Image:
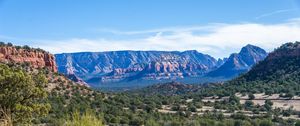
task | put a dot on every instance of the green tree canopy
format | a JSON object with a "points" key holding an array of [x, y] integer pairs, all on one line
{"points": [[21, 95]]}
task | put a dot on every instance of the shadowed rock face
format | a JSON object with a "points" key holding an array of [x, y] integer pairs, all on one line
{"points": [[131, 65], [240, 62], [37, 59]]}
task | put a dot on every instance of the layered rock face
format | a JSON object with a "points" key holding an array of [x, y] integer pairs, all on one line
{"points": [[98, 68], [132, 65], [37, 59]]}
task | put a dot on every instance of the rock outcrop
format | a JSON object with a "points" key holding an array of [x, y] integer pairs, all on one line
{"points": [[35, 58]]}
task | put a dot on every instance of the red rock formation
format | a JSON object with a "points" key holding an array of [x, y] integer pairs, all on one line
{"points": [[35, 58]]}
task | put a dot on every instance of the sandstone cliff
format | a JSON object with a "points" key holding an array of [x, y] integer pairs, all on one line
{"points": [[36, 58]]}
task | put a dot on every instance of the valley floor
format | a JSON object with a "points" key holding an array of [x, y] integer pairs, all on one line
{"points": [[260, 99]]}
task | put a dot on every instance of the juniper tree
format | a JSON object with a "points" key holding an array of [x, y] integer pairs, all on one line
{"points": [[21, 95]]}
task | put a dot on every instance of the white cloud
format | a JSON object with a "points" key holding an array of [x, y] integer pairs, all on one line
{"points": [[218, 40]]}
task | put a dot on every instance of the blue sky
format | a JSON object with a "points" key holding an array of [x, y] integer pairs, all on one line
{"points": [[214, 27]]}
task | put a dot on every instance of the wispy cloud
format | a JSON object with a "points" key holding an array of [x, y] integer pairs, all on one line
{"points": [[220, 41], [169, 29], [274, 13]]}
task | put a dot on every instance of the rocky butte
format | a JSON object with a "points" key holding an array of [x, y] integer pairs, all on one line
{"points": [[35, 57]]}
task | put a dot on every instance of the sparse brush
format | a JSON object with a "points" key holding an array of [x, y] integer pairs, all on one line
{"points": [[86, 119]]}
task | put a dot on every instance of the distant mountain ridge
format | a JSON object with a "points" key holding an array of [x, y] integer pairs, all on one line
{"points": [[240, 62], [97, 68], [115, 66]]}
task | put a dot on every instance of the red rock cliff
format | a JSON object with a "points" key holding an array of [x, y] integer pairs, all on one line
{"points": [[37, 59]]}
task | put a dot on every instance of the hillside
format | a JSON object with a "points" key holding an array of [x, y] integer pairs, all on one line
{"points": [[277, 73], [282, 64], [167, 89], [29, 65]]}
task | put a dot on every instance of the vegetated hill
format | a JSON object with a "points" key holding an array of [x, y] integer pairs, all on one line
{"points": [[279, 73], [167, 89], [35, 58], [126, 66], [240, 62], [281, 65], [33, 61], [64, 95]]}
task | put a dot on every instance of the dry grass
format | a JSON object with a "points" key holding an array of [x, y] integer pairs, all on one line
{"points": [[87, 119], [278, 102], [5, 117]]}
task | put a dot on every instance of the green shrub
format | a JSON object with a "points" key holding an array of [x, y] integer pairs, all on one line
{"points": [[86, 119]]}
